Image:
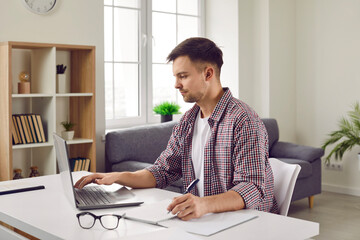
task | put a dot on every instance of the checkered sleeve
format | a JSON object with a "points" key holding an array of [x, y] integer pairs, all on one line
{"points": [[250, 153], [167, 167]]}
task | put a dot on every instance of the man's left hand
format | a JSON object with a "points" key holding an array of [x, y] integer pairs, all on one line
{"points": [[188, 207]]}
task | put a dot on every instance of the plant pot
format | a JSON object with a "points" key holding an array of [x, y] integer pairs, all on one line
{"points": [[67, 135], [166, 118]]}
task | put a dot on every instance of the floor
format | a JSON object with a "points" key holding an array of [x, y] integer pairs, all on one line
{"points": [[338, 215]]}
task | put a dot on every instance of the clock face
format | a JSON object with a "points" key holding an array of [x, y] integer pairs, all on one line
{"points": [[40, 6]]}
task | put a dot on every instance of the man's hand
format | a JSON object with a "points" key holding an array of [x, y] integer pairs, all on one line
{"points": [[188, 207], [139, 179], [98, 178]]}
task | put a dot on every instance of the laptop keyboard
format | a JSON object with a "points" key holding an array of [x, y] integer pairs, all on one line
{"points": [[94, 195]]}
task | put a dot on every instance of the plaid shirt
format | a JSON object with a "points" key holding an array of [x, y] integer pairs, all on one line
{"points": [[235, 157]]}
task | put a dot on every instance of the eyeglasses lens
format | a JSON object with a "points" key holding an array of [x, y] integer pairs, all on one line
{"points": [[86, 221], [109, 221]]}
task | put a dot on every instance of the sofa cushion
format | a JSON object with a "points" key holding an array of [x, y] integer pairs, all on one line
{"points": [[144, 143], [132, 166], [306, 168], [272, 129], [291, 150]]}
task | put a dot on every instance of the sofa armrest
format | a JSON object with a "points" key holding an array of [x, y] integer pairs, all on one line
{"points": [[291, 150], [141, 143]]}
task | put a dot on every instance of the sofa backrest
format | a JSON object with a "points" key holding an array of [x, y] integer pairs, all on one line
{"points": [[141, 143], [145, 143], [272, 129]]}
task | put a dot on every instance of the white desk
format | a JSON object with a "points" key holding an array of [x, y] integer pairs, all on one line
{"points": [[48, 214]]}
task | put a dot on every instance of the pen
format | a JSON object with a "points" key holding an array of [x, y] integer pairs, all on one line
{"points": [[22, 190], [191, 186]]}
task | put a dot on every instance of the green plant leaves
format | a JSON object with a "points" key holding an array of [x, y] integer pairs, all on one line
{"points": [[167, 108], [67, 125], [347, 136]]}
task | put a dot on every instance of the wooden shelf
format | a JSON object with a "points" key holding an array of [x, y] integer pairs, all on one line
{"points": [[32, 145], [78, 141], [31, 95], [78, 106], [74, 94]]}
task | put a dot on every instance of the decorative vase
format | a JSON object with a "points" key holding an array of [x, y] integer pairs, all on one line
{"points": [[166, 118], [24, 87], [67, 135], [61, 83]]}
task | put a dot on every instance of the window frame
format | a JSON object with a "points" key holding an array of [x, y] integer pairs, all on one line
{"points": [[145, 74]]}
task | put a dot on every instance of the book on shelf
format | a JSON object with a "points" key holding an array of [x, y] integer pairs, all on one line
{"points": [[79, 164], [14, 134], [16, 129], [19, 125], [37, 130], [27, 128], [38, 117], [32, 129]]}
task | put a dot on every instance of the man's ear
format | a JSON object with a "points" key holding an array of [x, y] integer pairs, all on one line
{"points": [[209, 73]]}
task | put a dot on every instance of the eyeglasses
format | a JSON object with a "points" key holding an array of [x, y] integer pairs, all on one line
{"points": [[108, 221]]}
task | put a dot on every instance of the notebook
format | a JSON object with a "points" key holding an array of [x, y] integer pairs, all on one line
{"points": [[207, 225], [98, 197], [211, 223]]}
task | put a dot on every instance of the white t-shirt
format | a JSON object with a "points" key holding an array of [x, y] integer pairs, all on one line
{"points": [[201, 135]]}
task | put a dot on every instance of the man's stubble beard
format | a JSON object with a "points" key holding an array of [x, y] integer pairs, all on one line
{"points": [[192, 98]]}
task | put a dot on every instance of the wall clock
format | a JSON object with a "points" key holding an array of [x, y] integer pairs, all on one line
{"points": [[40, 6]]}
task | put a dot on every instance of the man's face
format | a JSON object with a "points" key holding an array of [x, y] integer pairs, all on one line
{"points": [[189, 80]]}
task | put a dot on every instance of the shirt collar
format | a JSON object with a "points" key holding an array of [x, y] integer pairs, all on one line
{"points": [[221, 105], [219, 108]]}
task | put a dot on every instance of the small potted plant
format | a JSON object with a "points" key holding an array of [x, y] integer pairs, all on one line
{"points": [[68, 134], [347, 136], [166, 110]]}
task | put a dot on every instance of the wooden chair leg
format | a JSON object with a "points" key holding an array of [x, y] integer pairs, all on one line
{"points": [[311, 201]]}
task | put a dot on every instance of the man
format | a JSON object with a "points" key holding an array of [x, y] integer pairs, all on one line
{"points": [[220, 140]]}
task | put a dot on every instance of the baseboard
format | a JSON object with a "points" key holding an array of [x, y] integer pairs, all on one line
{"points": [[340, 189]]}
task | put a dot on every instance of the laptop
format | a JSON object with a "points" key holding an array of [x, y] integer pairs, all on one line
{"points": [[91, 196]]}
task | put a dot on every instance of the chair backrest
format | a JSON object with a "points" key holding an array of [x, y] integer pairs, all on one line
{"points": [[285, 176]]}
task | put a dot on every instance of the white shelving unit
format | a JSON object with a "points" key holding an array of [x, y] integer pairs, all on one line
{"points": [[78, 105]]}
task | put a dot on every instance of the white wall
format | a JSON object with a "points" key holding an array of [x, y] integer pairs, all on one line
{"points": [[72, 22], [261, 57], [327, 78], [246, 51], [222, 28], [267, 60], [311, 51], [282, 84]]}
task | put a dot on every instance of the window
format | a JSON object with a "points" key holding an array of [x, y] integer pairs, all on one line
{"points": [[138, 36]]}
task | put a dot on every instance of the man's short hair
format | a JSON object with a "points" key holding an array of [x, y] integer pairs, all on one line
{"points": [[200, 50]]}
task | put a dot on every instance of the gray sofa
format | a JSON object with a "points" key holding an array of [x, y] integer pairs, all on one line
{"points": [[135, 148]]}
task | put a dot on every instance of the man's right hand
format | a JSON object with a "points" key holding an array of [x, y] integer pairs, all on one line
{"points": [[98, 178], [139, 179]]}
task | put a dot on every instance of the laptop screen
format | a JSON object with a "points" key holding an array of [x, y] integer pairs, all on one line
{"points": [[64, 168]]}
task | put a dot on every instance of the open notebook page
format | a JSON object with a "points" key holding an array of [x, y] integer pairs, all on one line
{"points": [[211, 223]]}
